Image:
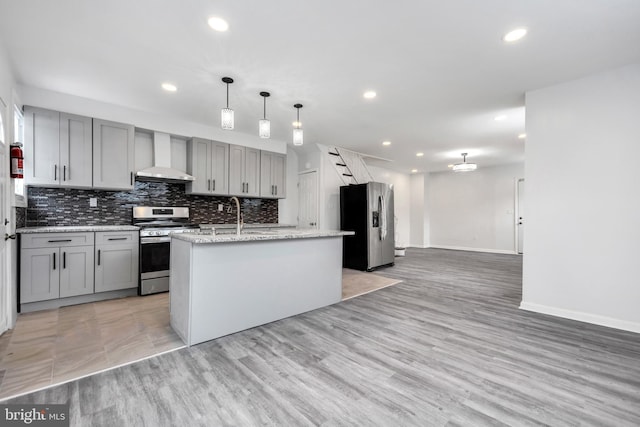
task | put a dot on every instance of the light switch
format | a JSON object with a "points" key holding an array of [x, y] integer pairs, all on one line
{"points": [[220, 207], [93, 202]]}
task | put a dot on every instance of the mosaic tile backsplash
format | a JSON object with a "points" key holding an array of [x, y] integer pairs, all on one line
{"points": [[62, 206]]}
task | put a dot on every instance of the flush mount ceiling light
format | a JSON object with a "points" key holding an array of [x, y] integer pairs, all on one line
{"points": [[264, 125], [218, 24], [386, 142], [464, 166], [515, 35], [297, 131], [169, 87], [226, 116], [419, 154], [414, 170], [370, 94]]}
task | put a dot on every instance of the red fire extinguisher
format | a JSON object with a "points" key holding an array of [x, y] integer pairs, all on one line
{"points": [[17, 160]]}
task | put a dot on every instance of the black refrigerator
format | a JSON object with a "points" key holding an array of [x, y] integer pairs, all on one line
{"points": [[367, 209]]}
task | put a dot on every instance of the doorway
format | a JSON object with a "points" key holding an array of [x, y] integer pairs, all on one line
{"points": [[5, 306], [520, 216], [308, 199]]}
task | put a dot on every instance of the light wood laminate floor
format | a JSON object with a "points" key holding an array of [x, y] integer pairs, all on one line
{"points": [[447, 347]]}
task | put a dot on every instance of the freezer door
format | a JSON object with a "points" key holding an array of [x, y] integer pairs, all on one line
{"points": [[373, 218]]}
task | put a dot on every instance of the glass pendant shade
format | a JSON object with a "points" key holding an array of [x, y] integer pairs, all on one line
{"points": [[227, 119], [297, 137], [264, 128]]}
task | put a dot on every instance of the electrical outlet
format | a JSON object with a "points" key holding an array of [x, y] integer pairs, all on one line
{"points": [[220, 207], [93, 202]]}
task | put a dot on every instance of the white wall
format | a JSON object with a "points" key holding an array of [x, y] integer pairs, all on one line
{"points": [[419, 211], [474, 210], [401, 201], [583, 203], [143, 119]]}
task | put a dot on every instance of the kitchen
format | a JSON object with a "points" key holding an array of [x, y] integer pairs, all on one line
{"points": [[465, 92]]}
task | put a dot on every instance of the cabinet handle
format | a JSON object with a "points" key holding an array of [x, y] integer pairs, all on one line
{"points": [[55, 172], [247, 187], [54, 260], [117, 238], [64, 173], [131, 178], [276, 192], [64, 260], [208, 185], [59, 241], [98, 256], [214, 185]]}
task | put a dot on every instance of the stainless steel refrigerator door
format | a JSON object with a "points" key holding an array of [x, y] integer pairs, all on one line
{"points": [[387, 243], [373, 218]]}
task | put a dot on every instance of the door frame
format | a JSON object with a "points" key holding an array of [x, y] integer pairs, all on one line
{"points": [[317, 172], [516, 216]]}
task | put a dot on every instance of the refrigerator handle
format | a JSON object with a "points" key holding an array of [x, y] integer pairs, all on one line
{"points": [[383, 218]]}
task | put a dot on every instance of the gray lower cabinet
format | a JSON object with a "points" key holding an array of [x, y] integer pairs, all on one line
{"points": [[113, 155], [55, 265], [116, 260]]}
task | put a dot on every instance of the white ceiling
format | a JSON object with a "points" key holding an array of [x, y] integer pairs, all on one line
{"points": [[440, 68]]}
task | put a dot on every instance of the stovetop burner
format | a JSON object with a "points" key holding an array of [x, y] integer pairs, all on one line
{"points": [[160, 221]]}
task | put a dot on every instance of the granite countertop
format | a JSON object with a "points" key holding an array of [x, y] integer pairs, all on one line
{"points": [[256, 225], [252, 236], [76, 229]]}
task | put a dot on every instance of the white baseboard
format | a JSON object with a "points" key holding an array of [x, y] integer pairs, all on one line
{"points": [[463, 248], [581, 316], [417, 246]]}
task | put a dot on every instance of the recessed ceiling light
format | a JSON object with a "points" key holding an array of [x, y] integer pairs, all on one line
{"points": [[499, 118], [414, 170], [419, 154], [386, 142], [515, 35], [369, 94], [169, 87], [296, 124], [522, 136], [449, 166], [218, 24]]}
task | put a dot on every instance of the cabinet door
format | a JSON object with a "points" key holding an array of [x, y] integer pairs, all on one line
{"points": [[279, 175], [42, 146], [76, 151], [116, 267], [39, 274], [76, 271], [113, 151], [236, 170], [219, 168], [252, 172], [199, 165], [266, 185]]}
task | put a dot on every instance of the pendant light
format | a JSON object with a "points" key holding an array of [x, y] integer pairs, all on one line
{"points": [[264, 125], [297, 131], [227, 113], [464, 166]]}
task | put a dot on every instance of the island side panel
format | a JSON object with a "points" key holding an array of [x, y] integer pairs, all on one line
{"points": [[236, 286], [179, 288]]}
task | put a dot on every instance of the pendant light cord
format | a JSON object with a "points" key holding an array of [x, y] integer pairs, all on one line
{"points": [[227, 95], [264, 98]]}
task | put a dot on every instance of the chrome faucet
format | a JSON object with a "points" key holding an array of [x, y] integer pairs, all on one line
{"points": [[239, 220]]}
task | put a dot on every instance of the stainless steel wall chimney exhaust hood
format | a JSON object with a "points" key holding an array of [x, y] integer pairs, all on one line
{"points": [[162, 170]]}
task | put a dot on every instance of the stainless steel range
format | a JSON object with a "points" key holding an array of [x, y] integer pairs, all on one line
{"points": [[155, 224]]}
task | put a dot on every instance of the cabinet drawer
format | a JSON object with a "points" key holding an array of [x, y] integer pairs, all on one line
{"points": [[56, 240], [116, 237]]}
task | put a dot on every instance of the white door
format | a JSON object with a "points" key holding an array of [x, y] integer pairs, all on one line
{"points": [[4, 216], [520, 222], [308, 199]]}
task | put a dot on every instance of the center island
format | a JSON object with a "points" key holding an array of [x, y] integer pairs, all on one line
{"points": [[221, 284]]}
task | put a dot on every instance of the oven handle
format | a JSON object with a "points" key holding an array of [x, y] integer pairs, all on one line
{"points": [[155, 239]]}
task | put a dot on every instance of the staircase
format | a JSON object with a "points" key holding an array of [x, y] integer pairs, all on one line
{"points": [[348, 164]]}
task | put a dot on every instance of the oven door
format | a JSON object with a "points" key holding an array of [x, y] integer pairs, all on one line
{"points": [[154, 264]]}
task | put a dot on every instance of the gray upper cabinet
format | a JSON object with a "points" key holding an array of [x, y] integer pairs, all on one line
{"points": [[244, 171], [208, 162], [273, 168], [58, 149], [113, 155]]}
